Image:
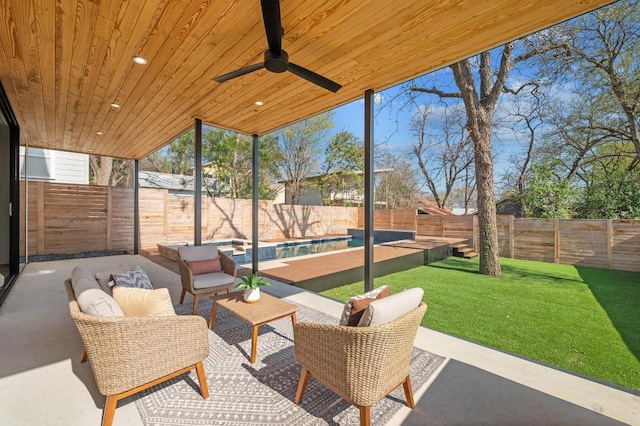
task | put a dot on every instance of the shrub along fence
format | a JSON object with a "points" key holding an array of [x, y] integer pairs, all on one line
{"points": [[65, 218]]}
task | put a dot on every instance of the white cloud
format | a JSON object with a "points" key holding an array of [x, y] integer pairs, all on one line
{"points": [[378, 98]]}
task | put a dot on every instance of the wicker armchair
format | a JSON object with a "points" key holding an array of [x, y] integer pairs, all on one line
{"points": [[130, 354], [363, 364], [206, 284]]}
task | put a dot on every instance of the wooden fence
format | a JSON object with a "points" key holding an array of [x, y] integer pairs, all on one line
{"points": [[76, 218], [604, 243], [65, 218]]}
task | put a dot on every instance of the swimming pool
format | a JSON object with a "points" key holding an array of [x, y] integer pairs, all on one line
{"points": [[286, 250]]}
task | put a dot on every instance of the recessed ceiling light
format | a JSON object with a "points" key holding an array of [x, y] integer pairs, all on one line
{"points": [[259, 103], [140, 60], [114, 105], [99, 133]]}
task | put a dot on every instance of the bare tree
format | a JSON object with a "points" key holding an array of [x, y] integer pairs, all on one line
{"points": [[396, 184], [443, 158]]}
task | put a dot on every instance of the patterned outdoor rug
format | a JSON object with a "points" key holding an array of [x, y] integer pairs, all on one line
{"points": [[263, 393]]}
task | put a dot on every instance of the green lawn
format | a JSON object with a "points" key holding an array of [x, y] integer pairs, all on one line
{"points": [[581, 319]]}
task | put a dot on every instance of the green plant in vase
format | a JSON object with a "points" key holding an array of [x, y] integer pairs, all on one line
{"points": [[251, 284]]}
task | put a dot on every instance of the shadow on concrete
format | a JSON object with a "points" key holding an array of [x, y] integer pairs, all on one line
{"points": [[466, 395]]}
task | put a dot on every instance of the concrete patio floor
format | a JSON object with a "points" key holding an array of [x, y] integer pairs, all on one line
{"points": [[42, 381]]}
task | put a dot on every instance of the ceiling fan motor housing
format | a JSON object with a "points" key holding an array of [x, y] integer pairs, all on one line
{"points": [[276, 63]]}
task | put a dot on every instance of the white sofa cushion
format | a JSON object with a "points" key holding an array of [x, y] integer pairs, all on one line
{"points": [[382, 311], [80, 272], [93, 301]]}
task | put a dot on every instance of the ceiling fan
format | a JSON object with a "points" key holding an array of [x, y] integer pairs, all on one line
{"points": [[275, 58]]}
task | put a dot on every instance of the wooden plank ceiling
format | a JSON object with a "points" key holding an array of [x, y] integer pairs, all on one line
{"points": [[65, 62]]}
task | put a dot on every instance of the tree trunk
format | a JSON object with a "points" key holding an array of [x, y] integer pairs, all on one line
{"points": [[487, 217], [102, 168]]}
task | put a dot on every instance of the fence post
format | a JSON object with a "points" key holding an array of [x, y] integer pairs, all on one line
{"points": [[40, 217], [474, 232], [511, 251], [109, 217], [556, 240], [610, 243]]}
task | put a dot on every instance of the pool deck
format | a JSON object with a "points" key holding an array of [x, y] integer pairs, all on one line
{"points": [[321, 271]]}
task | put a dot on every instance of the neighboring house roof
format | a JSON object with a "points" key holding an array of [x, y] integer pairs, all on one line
{"points": [[509, 205], [430, 207], [169, 181]]}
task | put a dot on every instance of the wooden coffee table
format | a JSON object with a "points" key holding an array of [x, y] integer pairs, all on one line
{"points": [[265, 310]]}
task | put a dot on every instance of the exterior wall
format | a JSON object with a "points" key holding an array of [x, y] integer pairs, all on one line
{"points": [[55, 166]]}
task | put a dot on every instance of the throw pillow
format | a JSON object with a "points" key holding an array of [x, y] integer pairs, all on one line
{"points": [[136, 278], [358, 306], [104, 277], [385, 310], [199, 267], [93, 301], [138, 302], [362, 301]]}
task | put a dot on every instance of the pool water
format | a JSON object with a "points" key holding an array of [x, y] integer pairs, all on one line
{"points": [[293, 250]]}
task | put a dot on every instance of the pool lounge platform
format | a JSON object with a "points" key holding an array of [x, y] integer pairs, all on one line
{"points": [[324, 271]]}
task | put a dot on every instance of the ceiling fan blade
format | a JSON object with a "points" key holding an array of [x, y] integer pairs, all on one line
{"points": [[237, 73], [314, 78], [272, 24]]}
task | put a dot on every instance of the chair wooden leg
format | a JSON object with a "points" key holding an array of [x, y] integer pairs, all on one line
{"points": [[302, 385], [182, 295], [84, 356], [195, 304], [365, 416], [202, 378], [408, 393], [109, 410]]}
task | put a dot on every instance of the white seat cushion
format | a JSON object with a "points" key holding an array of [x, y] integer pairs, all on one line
{"points": [[382, 311], [211, 280], [210, 251]]}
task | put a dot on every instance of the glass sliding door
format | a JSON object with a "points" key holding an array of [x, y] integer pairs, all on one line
{"points": [[10, 200]]}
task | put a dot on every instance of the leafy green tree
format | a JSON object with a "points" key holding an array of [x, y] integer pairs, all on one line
{"points": [[228, 160], [548, 195], [301, 147], [342, 169], [181, 155], [611, 196]]}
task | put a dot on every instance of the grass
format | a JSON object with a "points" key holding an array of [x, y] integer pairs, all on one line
{"points": [[581, 319]]}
